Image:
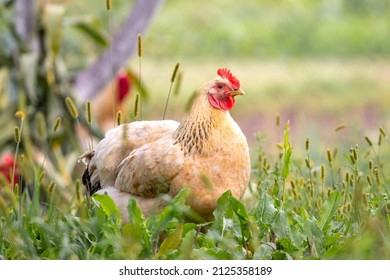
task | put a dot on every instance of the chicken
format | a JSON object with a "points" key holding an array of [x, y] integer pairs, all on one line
{"points": [[147, 160]]}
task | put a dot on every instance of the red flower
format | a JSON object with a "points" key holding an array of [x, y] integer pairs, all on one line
{"points": [[6, 166]]}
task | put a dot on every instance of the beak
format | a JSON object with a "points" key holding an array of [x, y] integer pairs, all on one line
{"points": [[236, 92]]}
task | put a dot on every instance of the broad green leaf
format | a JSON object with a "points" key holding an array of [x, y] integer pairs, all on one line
{"points": [[296, 235], [137, 224], [231, 215], [108, 205], [281, 225], [136, 238], [240, 211], [135, 214], [187, 244], [264, 252], [329, 209], [223, 210], [265, 210], [171, 242], [176, 209], [286, 245], [314, 236]]}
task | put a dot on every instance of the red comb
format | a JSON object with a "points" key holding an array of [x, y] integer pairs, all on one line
{"points": [[225, 73]]}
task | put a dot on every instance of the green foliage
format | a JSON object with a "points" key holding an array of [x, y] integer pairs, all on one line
{"points": [[348, 219], [344, 28], [296, 207]]}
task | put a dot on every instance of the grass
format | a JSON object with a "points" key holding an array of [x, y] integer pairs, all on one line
{"points": [[316, 95], [261, 29], [318, 190], [296, 207]]}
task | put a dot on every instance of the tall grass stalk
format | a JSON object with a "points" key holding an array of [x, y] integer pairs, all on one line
{"points": [[309, 166], [54, 130], [140, 51], [88, 112], [287, 152], [170, 88], [112, 80], [18, 135], [73, 111]]}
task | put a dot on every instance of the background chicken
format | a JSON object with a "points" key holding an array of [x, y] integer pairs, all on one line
{"points": [[146, 159]]}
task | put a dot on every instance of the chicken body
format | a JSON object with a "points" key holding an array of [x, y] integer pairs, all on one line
{"points": [[207, 153]]}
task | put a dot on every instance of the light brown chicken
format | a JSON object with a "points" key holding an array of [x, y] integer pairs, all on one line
{"points": [[146, 159]]}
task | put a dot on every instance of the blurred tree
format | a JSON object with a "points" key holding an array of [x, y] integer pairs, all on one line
{"points": [[366, 7], [34, 78]]}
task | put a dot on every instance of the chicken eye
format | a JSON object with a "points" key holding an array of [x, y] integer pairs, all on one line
{"points": [[220, 86]]}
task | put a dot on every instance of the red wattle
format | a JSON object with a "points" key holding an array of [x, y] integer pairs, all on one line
{"points": [[226, 103]]}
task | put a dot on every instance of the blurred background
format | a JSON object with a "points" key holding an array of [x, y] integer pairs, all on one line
{"points": [[321, 64]]}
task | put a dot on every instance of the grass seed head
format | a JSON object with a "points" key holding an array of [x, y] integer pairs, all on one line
{"points": [[175, 72], [351, 180], [339, 127], [72, 108], [277, 119], [119, 118], [136, 105], [329, 155], [355, 155], [376, 174], [307, 145], [382, 132], [88, 112], [369, 180], [322, 173], [57, 124], [307, 161], [21, 115], [370, 164], [51, 187], [368, 140], [139, 42], [108, 4], [17, 134], [280, 146]]}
